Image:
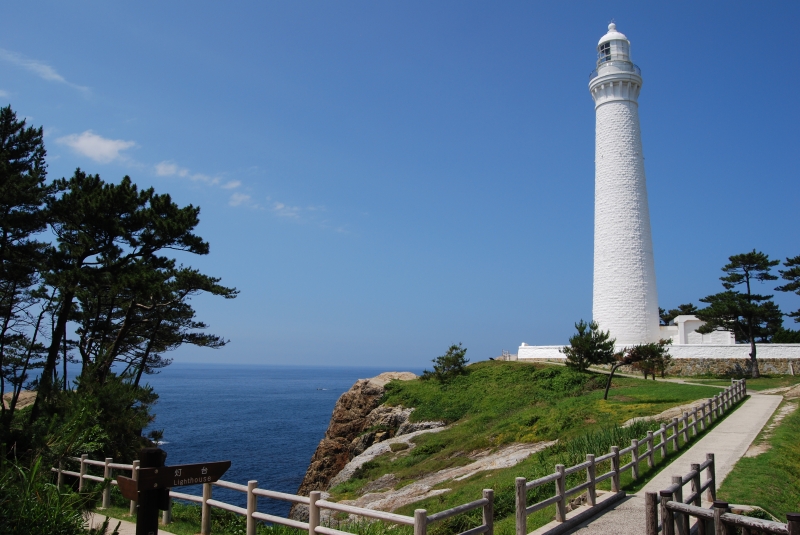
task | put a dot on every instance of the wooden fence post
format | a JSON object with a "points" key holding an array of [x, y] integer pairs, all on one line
{"points": [[615, 469], [681, 519], [561, 491], [720, 508], [709, 416], [60, 480], [488, 511], [166, 514], [651, 513], [252, 503], [685, 427], [82, 471], [717, 407], [663, 445], [313, 513], [205, 511], [135, 477], [635, 458], [702, 417], [420, 522], [591, 492], [711, 493], [522, 504], [667, 518], [696, 484], [651, 460], [674, 434], [793, 523], [107, 477]]}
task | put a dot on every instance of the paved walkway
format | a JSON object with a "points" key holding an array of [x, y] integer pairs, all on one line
{"points": [[125, 528], [728, 442]]}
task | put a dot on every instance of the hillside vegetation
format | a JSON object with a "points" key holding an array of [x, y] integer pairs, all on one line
{"points": [[771, 479], [498, 403]]}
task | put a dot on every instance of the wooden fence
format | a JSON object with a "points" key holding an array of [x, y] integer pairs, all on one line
{"points": [[420, 521], [676, 511], [692, 422], [695, 422]]}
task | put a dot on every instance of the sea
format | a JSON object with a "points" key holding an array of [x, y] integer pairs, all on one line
{"points": [[267, 420]]}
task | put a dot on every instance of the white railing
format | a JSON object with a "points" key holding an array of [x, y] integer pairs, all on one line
{"points": [[695, 421], [420, 521]]}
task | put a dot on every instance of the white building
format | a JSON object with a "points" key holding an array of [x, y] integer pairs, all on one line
{"points": [[625, 300]]}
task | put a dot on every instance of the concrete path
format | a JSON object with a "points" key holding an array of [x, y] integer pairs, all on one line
{"points": [[125, 528], [728, 442]]}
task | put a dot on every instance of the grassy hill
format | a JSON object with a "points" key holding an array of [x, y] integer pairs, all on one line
{"points": [[498, 403]]}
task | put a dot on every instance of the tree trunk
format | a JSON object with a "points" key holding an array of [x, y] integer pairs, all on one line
{"points": [[46, 381], [754, 373], [611, 376]]}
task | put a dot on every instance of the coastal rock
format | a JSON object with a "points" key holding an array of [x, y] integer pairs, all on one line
{"points": [[352, 416]]}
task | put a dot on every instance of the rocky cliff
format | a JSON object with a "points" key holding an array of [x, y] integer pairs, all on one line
{"points": [[357, 422], [346, 432]]}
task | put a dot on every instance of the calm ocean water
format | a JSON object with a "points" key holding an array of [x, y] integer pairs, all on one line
{"points": [[267, 420]]}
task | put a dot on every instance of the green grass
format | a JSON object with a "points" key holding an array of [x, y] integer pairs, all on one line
{"points": [[186, 521], [770, 480], [499, 403], [764, 382], [503, 402]]}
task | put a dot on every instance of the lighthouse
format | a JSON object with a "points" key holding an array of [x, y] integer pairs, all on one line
{"points": [[624, 295]]}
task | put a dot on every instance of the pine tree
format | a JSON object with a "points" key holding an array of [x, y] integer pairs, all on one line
{"points": [[752, 317], [791, 274], [589, 346], [666, 316], [450, 365], [23, 193]]}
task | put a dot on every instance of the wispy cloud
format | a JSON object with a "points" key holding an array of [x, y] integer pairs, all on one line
{"points": [[167, 168], [233, 184], [242, 199], [96, 147], [4, 94], [39, 68], [282, 210], [311, 215]]}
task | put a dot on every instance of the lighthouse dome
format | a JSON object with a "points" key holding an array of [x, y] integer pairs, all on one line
{"points": [[612, 35]]}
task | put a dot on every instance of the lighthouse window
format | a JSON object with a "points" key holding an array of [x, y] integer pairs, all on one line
{"points": [[604, 52]]}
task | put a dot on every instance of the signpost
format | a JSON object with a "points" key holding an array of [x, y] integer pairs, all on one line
{"points": [[151, 491]]}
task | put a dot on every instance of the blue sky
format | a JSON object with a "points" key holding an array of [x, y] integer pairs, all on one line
{"points": [[383, 179]]}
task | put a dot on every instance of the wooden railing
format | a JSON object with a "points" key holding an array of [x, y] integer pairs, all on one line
{"points": [[420, 521], [677, 510], [695, 422], [108, 466]]}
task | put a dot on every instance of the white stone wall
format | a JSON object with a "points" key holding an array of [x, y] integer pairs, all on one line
{"points": [[526, 352], [625, 300], [704, 351], [737, 351]]}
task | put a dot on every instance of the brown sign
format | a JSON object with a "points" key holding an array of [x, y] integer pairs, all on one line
{"points": [[181, 475], [128, 487]]}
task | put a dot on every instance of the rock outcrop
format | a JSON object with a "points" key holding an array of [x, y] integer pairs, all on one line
{"points": [[350, 418], [358, 422]]}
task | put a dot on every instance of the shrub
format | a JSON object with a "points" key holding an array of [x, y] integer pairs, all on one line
{"points": [[589, 346], [450, 365]]}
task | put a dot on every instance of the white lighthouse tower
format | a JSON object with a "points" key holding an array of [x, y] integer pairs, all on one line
{"points": [[625, 300]]}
